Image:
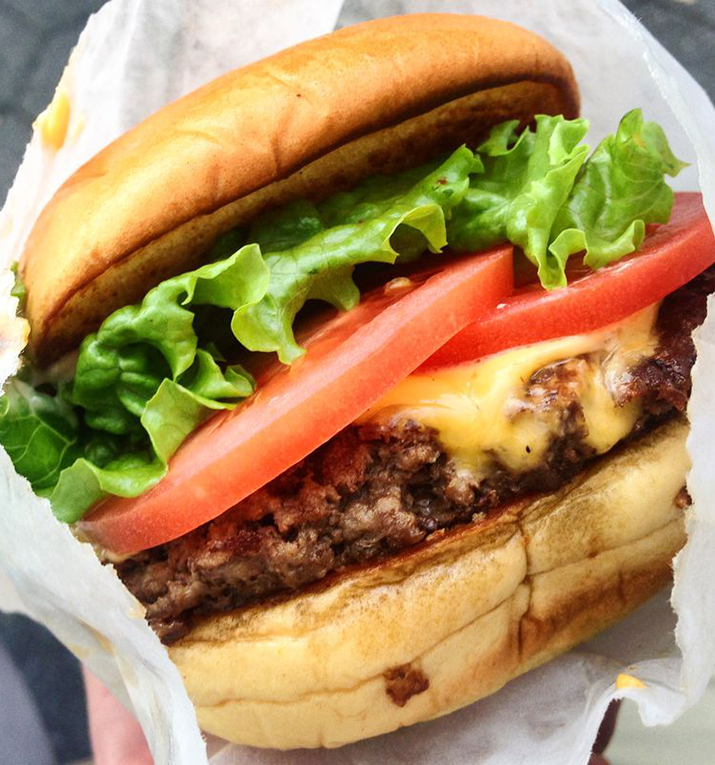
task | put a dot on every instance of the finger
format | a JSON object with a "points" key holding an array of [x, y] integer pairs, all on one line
{"points": [[116, 736]]}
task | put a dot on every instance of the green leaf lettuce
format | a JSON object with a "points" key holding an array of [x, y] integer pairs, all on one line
{"points": [[541, 191]]}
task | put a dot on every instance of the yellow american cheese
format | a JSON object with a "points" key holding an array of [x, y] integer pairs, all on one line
{"points": [[482, 412]]}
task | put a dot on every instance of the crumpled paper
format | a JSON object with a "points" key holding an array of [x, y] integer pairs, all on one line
{"points": [[136, 55]]}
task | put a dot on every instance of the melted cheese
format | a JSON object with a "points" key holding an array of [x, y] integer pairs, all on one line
{"points": [[500, 410]]}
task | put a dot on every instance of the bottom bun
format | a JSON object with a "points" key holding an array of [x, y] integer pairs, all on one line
{"points": [[449, 622]]}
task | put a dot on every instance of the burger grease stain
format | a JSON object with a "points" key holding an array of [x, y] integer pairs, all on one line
{"points": [[404, 682]]}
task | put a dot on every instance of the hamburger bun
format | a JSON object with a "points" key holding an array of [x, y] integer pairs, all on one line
{"points": [[304, 123], [449, 622]]}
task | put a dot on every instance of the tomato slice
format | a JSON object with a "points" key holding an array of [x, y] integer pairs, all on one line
{"points": [[351, 361], [671, 256]]}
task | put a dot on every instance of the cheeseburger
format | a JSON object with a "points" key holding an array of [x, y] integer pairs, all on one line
{"points": [[367, 374]]}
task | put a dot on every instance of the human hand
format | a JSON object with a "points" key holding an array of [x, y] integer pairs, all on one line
{"points": [[116, 736]]}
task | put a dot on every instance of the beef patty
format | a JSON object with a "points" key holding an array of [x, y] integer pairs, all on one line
{"points": [[374, 490]]}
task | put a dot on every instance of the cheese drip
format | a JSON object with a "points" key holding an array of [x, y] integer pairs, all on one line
{"points": [[499, 409]]}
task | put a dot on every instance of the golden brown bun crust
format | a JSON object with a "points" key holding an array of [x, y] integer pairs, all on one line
{"points": [[303, 123], [433, 630]]}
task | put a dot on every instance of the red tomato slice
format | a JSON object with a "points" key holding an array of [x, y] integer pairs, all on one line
{"points": [[352, 360], [671, 256]]}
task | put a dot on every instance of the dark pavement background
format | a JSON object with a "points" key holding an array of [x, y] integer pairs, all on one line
{"points": [[35, 40]]}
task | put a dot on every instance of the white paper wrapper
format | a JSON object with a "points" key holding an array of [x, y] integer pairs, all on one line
{"points": [[134, 56]]}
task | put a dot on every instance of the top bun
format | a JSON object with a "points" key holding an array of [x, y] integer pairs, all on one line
{"points": [[306, 122]]}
